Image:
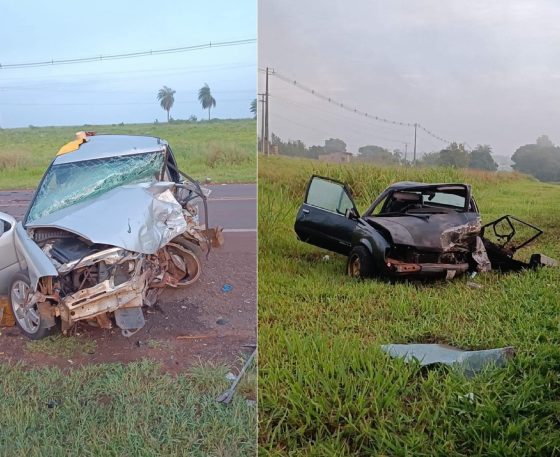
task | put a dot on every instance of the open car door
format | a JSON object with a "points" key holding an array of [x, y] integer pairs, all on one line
{"points": [[328, 216]]}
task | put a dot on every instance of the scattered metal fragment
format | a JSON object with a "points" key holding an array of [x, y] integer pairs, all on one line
{"points": [[227, 396], [470, 362]]}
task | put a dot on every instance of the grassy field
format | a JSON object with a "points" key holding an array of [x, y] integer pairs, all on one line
{"points": [[225, 151], [123, 410], [326, 388]]}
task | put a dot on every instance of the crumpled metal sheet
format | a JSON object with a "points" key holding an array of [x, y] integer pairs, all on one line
{"points": [[480, 256], [471, 362], [36, 261], [140, 217], [460, 236]]}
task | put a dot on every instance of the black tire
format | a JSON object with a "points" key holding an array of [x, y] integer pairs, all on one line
{"points": [[194, 259], [360, 263], [32, 330], [191, 246]]}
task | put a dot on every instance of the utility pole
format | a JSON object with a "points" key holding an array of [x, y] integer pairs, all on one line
{"points": [[415, 127], [267, 144], [405, 152], [261, 117]]}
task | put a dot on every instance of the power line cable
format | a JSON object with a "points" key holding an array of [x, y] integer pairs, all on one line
{"points": [[356, 131], [129, 55], [351, 109]]}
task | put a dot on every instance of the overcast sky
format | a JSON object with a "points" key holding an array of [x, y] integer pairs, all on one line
{"points": [[123, 90], [474, 71]]}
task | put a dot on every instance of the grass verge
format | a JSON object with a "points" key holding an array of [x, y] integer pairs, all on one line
{"points": [[224, 151], [121, 410], [62, 346], [325, 388]]}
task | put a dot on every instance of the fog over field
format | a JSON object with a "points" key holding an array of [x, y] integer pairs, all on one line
{"points": [[475, 72]]}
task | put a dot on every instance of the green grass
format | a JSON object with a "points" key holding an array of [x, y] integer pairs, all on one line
{"points": [[121, 410], [65, 346], [325, 387], [224, 151]]}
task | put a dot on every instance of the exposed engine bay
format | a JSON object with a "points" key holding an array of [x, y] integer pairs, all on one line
{"points": [[97, 282]]}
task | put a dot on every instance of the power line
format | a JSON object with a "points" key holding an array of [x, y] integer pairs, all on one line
{"points": [[352, 109], [129, 55], [321, 116]]}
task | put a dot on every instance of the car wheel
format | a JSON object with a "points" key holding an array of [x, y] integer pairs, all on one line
{"points": [[187, 259], [27, 317], [360, 263]]}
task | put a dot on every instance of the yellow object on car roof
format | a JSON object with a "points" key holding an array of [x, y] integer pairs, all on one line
{"points": [[71, 146], [81, 137]]}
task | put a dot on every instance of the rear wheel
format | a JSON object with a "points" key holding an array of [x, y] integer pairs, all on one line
{"points": [[27, 316], [360, 263]]}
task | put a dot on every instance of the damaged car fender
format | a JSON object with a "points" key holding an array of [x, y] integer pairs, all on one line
{"points": [[35, 261], [374, 242]]}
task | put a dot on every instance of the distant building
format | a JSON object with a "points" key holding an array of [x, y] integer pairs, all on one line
{"points": [[336, 157]]}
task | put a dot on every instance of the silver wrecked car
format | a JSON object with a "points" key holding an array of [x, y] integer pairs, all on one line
{"points": [[112, 222]]}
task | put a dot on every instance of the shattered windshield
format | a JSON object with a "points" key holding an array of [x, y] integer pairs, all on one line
{"points": [[426, 200], [69, 183]]}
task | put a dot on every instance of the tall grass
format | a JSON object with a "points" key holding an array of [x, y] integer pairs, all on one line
{"points": [[325, 386], [223, 151]]}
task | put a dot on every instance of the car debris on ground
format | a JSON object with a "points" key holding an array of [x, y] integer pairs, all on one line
{"points": [[227, 396], [112, 222], [470, 362], [413, 230]]}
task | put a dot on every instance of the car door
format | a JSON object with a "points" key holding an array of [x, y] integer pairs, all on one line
{"points": [[328, 216], [9, 264]]}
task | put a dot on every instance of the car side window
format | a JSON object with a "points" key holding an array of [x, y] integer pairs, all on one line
{"points": [[4, 226], [328, 195], [345, 203]]}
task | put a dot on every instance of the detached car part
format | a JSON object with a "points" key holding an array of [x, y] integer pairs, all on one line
{"points": [[411, 229], [111, 224]]}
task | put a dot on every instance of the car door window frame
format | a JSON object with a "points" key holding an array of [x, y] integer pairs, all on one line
{"points": [[344, 187]]}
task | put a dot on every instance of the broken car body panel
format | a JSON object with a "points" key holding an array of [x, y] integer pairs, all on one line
{"points": [[109, 226], [140, 217], [411, 229]]}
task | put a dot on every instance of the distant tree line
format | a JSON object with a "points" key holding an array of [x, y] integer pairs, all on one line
{"points": [[541, 159]]}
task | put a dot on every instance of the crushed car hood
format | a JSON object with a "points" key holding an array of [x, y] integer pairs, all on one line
{"points": [[430, 232], [138, 217]]}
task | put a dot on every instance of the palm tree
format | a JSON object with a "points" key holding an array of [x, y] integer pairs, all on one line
{"points": [[205, 98], [166, 99], [253, 108]]}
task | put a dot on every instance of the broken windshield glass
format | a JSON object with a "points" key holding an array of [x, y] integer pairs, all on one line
{"points": [[70, 183]]}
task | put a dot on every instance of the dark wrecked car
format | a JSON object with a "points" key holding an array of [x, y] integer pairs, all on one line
{"points": [[112, 222], [411, 230]]}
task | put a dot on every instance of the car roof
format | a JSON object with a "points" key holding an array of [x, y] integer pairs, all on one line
{"points": [[103, 146], [413, 184]]}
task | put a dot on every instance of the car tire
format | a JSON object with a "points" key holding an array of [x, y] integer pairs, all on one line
{"points": [[193, 258], [360, 263], [28, 320]]}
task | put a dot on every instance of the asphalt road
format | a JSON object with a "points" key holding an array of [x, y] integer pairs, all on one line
{"points": [[233, 206]]}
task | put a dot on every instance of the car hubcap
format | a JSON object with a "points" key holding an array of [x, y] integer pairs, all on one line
{"points": [[27, 316]]}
